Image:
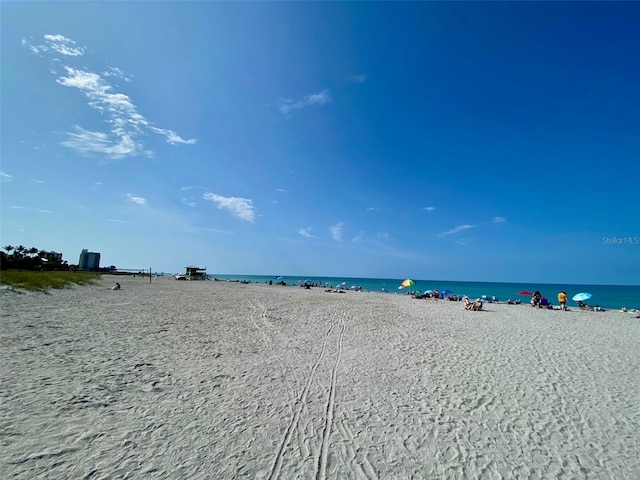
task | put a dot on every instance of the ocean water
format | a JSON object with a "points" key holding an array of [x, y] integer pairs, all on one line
{"points": [[606, 296]]}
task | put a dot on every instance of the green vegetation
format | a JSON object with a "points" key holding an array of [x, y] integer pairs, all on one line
{"points": [[43, 281], [23, 258]]}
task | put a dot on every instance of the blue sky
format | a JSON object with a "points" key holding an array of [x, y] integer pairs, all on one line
{"points": [[451, 141]]}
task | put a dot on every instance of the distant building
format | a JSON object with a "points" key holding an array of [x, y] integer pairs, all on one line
{"points": [[89, 261], [53, 256]]}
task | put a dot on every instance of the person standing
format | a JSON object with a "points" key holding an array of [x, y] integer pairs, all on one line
{"points": [[562, 300]]}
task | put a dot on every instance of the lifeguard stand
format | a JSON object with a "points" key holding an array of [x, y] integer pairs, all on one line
{"points": [[196, 273]]}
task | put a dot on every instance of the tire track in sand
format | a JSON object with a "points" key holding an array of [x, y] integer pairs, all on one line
{"points": [[256, 307], [270, 334], [263, 315], [300, 404], [321, 473]]}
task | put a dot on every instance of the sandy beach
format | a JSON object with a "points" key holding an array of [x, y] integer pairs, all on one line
{"points": [[220, 380]]}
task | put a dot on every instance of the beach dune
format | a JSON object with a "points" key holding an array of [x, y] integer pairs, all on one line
{"points": [[169, 379]]}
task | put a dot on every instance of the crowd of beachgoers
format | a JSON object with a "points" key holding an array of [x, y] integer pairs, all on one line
{"points": [[535, 299]]}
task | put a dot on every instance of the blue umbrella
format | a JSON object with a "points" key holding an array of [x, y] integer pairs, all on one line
{"points": [[279, 277], [581, 297], [446, 291]]}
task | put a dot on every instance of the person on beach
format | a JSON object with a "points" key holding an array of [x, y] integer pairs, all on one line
{"points": [[436, 294], [535, 300], [473, 306], [116, 286], [562, 300], [584, 306]]}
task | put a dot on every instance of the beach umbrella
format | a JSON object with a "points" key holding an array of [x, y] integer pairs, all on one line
{"points": [[279, 277], [407, 283], [581, 297], [446, 291], [524, 293], [428, 291]]}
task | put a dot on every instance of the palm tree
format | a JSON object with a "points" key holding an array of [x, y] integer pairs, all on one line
{"points": [[9, 248]]}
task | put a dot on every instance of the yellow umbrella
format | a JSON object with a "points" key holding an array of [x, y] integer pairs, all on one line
{"points": [[407, 283]]}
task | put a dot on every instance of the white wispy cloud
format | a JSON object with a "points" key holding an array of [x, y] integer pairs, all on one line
{"points": [[213, 230], [336, 231], [116, 221], [382, 236], [357, 78], [5, 177], [116, 72], [115, 147], [457, 229], [188, 202], [281, 190], [373, 209], [429, 209], [135, 199], [172, 137], [499, 219], [240, 207], [64, 45], [306, 232], [40, 210], [56, 43], [127, 126], [37, 180], [358, 238], [287, 105]]}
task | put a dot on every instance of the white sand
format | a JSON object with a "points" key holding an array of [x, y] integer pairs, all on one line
{"points": [[218, 380]]}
